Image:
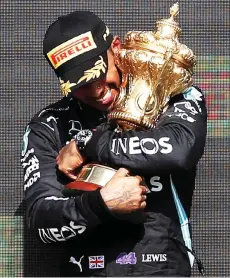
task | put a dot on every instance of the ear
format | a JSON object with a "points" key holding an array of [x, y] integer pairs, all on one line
{"points": [[116, 44]]}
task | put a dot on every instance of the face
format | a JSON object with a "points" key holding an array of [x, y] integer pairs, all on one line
{"points": [[101, 94]]}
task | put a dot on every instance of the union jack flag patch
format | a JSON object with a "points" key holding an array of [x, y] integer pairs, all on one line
{"points": [[96, 262]]}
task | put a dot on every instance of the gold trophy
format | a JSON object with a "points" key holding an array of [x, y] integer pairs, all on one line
{"points": [[155, 66]]}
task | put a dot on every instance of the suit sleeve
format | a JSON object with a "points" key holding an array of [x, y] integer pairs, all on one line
{"points": [[176, 143], [51, 215]]}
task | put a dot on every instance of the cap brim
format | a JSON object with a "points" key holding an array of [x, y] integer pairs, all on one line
{"points": [[83, 74]]}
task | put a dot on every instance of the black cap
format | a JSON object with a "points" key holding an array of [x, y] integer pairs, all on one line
{"points": [[76, 47]]}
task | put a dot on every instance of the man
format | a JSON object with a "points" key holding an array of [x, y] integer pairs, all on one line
{"points": [[97, 242]]}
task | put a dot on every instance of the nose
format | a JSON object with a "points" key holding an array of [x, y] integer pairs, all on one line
{"points": [[98, 88], [113, 79]]}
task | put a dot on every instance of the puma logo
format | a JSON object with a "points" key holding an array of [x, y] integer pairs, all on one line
{"points": [[73, 260]]}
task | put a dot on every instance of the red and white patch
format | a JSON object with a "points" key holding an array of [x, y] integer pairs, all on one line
{"points": [[71, 48]]}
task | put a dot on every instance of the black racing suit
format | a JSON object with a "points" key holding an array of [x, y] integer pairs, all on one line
{"points": [[96, 242]]}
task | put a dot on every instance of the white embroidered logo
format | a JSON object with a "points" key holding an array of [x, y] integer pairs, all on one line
{"points": [[74, 261], [75, 128]]}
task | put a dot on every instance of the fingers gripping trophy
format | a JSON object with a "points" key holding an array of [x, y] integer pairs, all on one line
{"points": [[155, 66]]}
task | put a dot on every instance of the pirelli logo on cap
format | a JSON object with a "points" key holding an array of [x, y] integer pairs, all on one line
{"points": [[71, 48]]}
